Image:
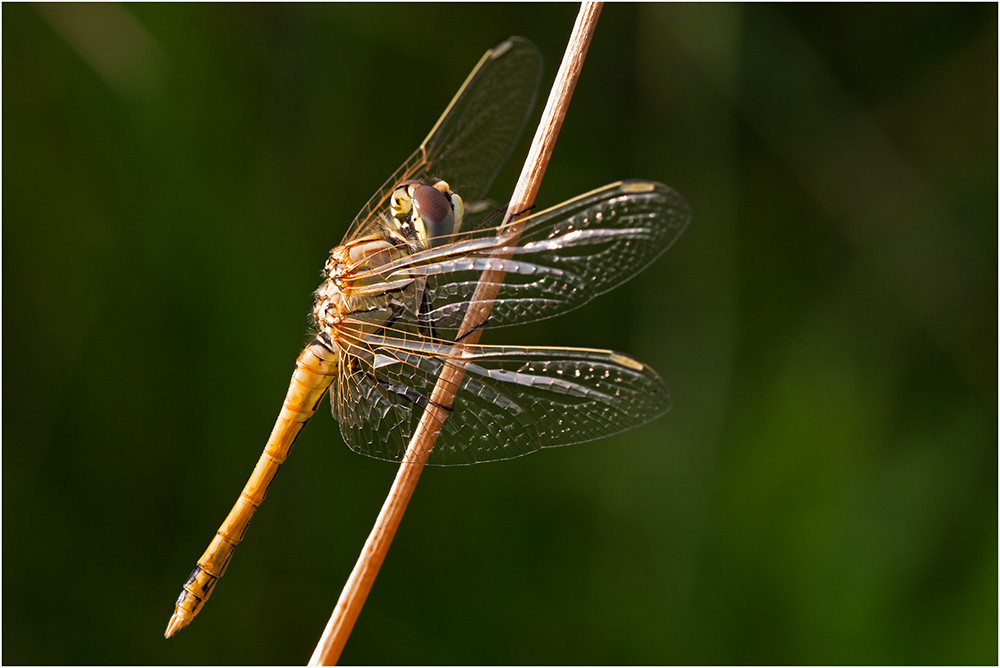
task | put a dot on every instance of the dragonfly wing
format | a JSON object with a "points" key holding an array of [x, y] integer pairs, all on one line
{"points": [[565, 256], [478, 131], [511, 401], [475, 136]]}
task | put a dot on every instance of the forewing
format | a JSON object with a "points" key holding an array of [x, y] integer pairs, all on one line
{"points": [[565, 256], [477, 133], [474, 137], [511, 401]]}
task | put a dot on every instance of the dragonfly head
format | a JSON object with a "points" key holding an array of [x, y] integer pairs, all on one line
{"points": [[426, 215]]}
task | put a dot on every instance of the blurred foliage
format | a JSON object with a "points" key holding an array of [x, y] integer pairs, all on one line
{"points": [[824, 490]]}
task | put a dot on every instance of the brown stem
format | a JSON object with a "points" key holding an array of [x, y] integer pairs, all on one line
{"points": [[359, 583]]}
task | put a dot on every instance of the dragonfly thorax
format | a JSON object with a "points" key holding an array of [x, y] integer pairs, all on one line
{"points": [[361, 288]]}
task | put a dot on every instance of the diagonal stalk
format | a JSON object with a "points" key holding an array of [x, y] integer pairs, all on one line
{"points": [[373, 553]]}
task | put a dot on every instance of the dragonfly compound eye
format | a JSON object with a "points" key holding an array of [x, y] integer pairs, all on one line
{"points": [[439, 212]]}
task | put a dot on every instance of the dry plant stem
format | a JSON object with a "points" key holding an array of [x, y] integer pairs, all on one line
{"points": [[359, 583]]}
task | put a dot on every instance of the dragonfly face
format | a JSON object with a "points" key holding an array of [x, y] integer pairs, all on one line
{"points": [[399, 290], [426, 215]]}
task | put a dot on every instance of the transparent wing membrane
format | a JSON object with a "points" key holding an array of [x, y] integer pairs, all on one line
{"points": [[477, 132], [565, 256], [510, 402]]}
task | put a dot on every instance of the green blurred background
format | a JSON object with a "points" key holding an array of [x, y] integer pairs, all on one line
{"points": [[824, 490]]}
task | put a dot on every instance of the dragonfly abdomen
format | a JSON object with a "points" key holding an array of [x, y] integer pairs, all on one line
{"points": [[315, 369]]}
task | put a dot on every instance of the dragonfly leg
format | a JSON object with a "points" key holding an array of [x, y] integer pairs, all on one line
{"points": [[424, 323], [413, 396], [476, 328]]}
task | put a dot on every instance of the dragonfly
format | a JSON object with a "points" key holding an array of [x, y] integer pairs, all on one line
{"points": [[389, 314]]}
